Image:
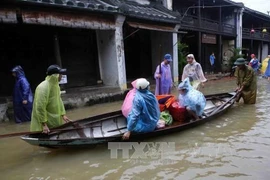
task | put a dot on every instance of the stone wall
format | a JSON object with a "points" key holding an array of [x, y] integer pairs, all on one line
{"points": [[89, 100], [3, 110]]}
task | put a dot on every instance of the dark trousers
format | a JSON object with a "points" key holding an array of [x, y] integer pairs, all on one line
{"points": [[212, 68]]}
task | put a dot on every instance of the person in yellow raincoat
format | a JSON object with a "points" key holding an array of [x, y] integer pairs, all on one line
{"points": [[48, 108], [246, 81]]}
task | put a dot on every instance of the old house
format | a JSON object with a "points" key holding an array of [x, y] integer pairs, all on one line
{"points": [[36, 34], [95, 40], [219, 26], [211, 27], [256, 37]]}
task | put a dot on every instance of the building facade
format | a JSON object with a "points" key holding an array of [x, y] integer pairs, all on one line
{"points": [[219, 27], [256, 37], [117, 41], [109, 41]]}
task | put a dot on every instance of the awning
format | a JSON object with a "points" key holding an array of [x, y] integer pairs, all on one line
{"points": [[153, 27]]}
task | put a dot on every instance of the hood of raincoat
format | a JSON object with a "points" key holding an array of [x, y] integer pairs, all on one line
{"points": [[53, 79], [134, 83], [19, 71], [185, 85]]}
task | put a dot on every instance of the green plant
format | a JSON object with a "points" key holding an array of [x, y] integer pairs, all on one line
{"points": [[182, 53], [236, 54]]}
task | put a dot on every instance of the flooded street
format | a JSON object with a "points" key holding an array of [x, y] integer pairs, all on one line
{"points": [[234, 146]]}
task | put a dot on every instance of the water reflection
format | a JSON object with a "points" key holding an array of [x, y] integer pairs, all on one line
{"points": [[235, 145]]}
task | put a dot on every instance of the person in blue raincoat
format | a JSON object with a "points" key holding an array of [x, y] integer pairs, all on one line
{"points": [[254, 63], [22, 96], [145, 111], [192, 99]]}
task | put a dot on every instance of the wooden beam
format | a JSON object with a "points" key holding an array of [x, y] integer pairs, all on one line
{"points": [[67, 20], [57, 51]]}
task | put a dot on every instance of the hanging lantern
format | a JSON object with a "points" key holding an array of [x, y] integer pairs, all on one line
{"points": [[264, 30], [252, 31]]}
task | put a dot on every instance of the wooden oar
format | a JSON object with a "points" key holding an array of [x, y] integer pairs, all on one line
{"points": [[51, 131], [160, 72], [223, 105], [117, 129]]}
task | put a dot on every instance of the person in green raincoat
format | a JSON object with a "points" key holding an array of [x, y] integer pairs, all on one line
{"points": [[246, 81], [48, 108]]}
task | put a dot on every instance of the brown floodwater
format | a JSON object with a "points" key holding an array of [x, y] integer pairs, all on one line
{"points": [[234, 146]]}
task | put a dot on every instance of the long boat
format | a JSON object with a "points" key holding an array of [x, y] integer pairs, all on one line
{"points": [[110, 127]]}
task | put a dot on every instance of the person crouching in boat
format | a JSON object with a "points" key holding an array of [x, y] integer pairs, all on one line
{"points": [[192, 99], [145, 111], [246, 81], [48, 108]]}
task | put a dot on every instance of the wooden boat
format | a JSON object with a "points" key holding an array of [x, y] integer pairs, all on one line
{"points": [[110, 127]]}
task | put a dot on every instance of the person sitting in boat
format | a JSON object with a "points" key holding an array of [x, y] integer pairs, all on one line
{"points": [[192, 99], [145, 111]]}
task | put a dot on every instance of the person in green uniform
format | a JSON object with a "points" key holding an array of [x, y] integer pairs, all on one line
{"points": [[48, 108], [246, 81]]}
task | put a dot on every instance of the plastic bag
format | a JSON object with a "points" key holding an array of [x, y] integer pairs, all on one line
{"points": [[161, 124], [165, 116], [165, 101], [177, 111]]}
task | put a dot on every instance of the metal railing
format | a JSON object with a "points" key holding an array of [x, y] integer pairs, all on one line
{"points": [[192, 22], [257, 35]]}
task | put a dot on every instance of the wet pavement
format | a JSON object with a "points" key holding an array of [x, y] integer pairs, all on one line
{"points": [[234, 146]]}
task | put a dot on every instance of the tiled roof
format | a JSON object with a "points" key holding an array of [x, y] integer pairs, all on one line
{"points": [[92, 5], [151, 11], [239, 4], [257, 14]]}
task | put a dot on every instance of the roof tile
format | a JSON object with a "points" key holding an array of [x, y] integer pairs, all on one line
{"points": [[152, 11]]}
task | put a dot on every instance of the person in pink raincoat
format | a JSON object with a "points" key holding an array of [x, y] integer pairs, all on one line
{"points": [[127, 104], [163, 76], [194, 72]]}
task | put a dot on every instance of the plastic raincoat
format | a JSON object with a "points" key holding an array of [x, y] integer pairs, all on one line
{"points": [[166, 79], [193, 98], [248, 79], [127, 104], [21, 92], [254, 63], [267, 71], [264, 64], [48, 106], [145, 112], [195, 73]]}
